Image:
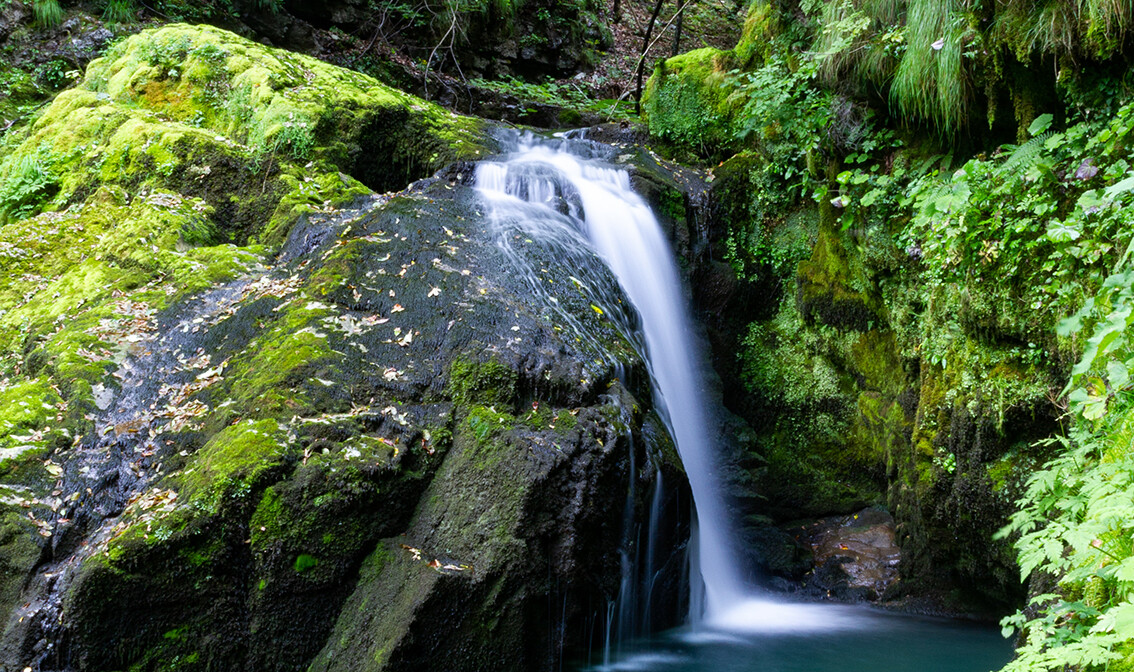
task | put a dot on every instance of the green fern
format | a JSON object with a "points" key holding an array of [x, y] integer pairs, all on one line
{"points": [[1025, 155], [27, 182]]}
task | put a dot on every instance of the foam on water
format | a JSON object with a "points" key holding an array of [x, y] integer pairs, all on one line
{"points": [[757, 616]]}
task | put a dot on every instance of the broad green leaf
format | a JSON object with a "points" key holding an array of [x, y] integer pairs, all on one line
{"points": [[1073, 324], [1040, 124], [1119, 620], [1090, 201], [870, 197], [1062, 232], [1119, 188], [1117, 374]]}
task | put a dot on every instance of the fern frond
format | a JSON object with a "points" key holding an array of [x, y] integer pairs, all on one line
{"points": [[1025, 154]]}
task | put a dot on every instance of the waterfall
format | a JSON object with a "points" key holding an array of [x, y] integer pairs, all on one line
{"points": [[561, 189]]}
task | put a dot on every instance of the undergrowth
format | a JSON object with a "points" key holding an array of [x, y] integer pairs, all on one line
{"points": [[1076, 519]]}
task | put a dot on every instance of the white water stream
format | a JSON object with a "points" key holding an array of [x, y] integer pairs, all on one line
{"points": [[620, 226]]}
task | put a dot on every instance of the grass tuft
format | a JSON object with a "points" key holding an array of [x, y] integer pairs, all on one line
{"points": [[931, 82], [119, 11], [48, 13]]}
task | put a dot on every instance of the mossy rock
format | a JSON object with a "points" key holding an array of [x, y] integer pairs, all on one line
{"points": [[259, 133], [386, 368], [827, 291], [467, 557], [235, 373], [689, 102], [286, 103]]}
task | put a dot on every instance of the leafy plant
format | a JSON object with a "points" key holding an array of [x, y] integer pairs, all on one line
{"points": [[1076, 519], [55, 74], [785, 117], [1026, 225], [25, 185], [296, 137]]}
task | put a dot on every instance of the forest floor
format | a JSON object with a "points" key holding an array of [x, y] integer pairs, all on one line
{"points": [[706, 23]]}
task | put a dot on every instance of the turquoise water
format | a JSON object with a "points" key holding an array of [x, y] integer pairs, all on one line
{"points": [[879, 642]]}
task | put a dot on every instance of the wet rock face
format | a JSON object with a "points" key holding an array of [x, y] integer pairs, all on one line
{"points": [[856, 557], [365, 444], [386, 400]]}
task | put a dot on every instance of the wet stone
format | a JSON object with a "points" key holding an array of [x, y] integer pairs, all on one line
{"points": [[856, 556]]}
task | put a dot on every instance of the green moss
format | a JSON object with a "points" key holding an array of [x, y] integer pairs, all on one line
{"points": [[236, 139], [543, 417], [232, 463], [283, 103], [769, 232], [487, 383], [275, 377], [486, 425], [306, 194], [86, 281], [27, 409], [762, 25], [305, 562], [829, 289], [19, 554]]}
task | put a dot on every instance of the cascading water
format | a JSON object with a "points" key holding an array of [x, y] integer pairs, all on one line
{"points": [[565, 195], [596, 200]]}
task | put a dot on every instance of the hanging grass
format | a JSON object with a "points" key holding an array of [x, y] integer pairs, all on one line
{"points": [[858, 41], [884, 12], [48, 13], [931, 82], [847, 35], [119, 11], [1043, 27], [1107, 22]]}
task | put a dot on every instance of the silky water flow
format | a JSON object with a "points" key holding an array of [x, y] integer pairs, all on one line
{"points": [[566, 193]]}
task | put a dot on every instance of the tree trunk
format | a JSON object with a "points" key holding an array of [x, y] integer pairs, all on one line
{"points": [[642, 60]]}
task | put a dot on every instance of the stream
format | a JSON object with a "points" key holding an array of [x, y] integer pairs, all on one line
{"points": [[855, 639]]}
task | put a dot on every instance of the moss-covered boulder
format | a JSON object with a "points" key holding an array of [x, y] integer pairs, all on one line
{"points": [[694, 103], [690, 100], [253, 412], [256, 132]]}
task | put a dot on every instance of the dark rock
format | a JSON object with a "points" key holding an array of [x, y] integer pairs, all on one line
{"points": [[856, 557]]}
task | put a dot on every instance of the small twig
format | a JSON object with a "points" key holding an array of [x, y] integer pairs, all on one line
{"points": [[429, 61], [375, 38], [642, 59], [154, 11]]}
